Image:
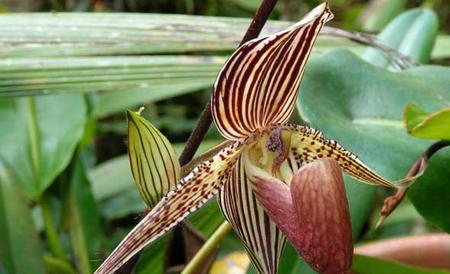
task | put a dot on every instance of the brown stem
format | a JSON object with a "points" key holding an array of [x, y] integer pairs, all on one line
{"points": [[391, 202], [205, 120], [197, 135]]}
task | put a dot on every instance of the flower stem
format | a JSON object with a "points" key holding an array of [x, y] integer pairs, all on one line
{"points": [[50, 229], [202, 255]]}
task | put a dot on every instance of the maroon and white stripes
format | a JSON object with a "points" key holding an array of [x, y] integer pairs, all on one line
{"points": [[258, 85], [263, 241]]}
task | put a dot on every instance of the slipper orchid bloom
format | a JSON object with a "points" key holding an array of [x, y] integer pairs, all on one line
{"points": [[274, 180]]}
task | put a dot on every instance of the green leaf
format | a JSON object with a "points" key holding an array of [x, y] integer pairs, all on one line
{"points": [[412, 33], [360, 106], [20, 248], [32, 76], [208, 218], [82, 221], [42, 134], [88, 34], [106, 103], [435, 125], [430, 193], [370, 265]]}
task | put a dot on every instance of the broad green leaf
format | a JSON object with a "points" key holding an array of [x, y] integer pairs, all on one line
{"points": [[88, 34], [154, 166], [435, 125], [106, 103], [370, 265], [39, 137], [82, 221], [58, 34], [20, 247], [111, 178], [360, 106], [412, 33], [430, 194], [35, 76]]}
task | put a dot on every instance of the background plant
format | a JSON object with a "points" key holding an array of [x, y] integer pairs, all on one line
{"points": [[66, 192]]}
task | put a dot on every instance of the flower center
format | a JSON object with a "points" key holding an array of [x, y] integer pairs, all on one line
{"points": [[269, 155]]}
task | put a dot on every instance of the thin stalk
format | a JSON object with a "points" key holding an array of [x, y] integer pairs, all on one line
{"points": [[205, 251], [391, 202], [50, 229]]}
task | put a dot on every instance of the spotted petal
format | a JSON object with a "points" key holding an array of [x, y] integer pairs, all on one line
{"points": [[308, 145], [154, 165], [259, 83], [191, 193], [262, 239]]}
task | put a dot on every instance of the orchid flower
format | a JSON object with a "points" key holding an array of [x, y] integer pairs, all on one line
{"points": [[274, 180]]}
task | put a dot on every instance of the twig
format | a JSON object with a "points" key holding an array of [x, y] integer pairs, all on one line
{"points": [[391, 202], [205, 120], [400, 59]]}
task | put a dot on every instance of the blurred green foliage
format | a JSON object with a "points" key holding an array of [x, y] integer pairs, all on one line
{"points": [[66, 192]]}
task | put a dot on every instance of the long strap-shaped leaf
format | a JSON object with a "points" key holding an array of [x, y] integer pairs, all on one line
{"points": [[259, 83], [191, 193], [263, 241], [154, 165]]}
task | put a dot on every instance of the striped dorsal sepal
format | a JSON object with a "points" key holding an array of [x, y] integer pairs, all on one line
{"points": [[258, 85]]}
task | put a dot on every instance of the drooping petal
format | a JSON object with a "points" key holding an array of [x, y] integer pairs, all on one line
{"points": [[313, 214], [262, 239], [191, 193], [308, 145], [321, 205], [154, 165], [258, 85]]}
